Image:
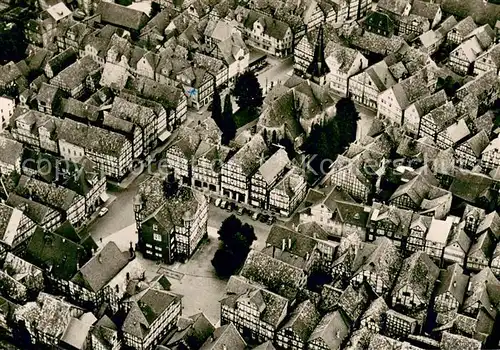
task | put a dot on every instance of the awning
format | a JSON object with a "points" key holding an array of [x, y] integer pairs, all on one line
{"points": [[104, 197], [164, 135]]}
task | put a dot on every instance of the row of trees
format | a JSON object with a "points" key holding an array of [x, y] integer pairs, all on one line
{"points": [[331, 138], [236, 239]]}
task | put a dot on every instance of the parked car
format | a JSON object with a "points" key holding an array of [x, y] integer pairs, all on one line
{"points": [[263, 218], [230, 207], [271, 220], [217, 202], [240, 211], [255, 216], [223, 204], [103, 211]]}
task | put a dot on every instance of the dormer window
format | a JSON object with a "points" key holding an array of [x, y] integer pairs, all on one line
{"points": [[155, 227]]}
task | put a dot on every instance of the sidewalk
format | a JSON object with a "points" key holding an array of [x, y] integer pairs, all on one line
{"points": [[136, 172], [95, 215]]}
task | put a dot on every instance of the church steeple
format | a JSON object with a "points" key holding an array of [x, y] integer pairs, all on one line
{"points": [[318, 67]]}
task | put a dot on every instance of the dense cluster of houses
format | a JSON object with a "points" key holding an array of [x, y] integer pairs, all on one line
{"points": [[398, 247]]}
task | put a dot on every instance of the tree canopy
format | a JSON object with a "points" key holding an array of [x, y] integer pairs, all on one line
{"points": [[228, 124], [217, 108], [332, 137], [236, 239], [248, 92]]}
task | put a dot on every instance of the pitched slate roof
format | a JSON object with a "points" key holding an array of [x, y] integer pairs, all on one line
{"points": [[353, 302], [193, 330], [275, 305], [277, 276], [92, 138], [384, 261], [454, 281], [151, 304], [33, 210], [303, 320], [122, 16], [394, 6], [481, 12], [56, 254], [425, 9], [10, 151], [99, 270], [274, 166], [450, 341], [225, 337], [491, 222], [459, 236], [301, 245]]}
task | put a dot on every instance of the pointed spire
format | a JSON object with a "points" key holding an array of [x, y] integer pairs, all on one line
{"points": [[318, 67]]}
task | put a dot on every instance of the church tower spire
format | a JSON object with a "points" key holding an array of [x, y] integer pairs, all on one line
{"points": [[318, 67]]}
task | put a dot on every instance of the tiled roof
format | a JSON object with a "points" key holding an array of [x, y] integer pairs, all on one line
{"points": [[343, 57], [277, 276], [459, 236], [274, 166], [272, 27], [55, 316], [275, 305], [470, 186], [418, 273], [481, 12], [80, 110], [301, 245], [132, 112], [331, 330], [193, 330], [384, 261], [33, 210], [303, 320], [54, 253], [151, 305], [48, 194], [122, 16], [72, 76], [477, 291], [491, 222], [250, 155], [225, 337], [281, 111], [450, 341], [10, 151], [92, 138], [99, 270], [354, 300], [454, 281], [62, 60], [425, 9], [394, 6]]}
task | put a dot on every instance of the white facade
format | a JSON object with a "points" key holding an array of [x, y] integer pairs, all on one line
{"points": [[7, 106]]}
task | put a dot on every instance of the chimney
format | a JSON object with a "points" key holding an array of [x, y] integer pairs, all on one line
{"points": [[99, 258], [289, 243], [283, 245], [307, 256], [454, 284]]}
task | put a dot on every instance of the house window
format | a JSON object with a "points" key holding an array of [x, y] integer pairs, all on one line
{"points": [[157, 237]]}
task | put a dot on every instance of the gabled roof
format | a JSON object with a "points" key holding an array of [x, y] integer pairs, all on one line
{"points": [[303, 320], [122, 16], [274, 166], [101, 269], [331, 330], [151, 304], [419, 274], [225, 337], [10, 151], [277, 276], [425, 9], [193, 330], [295, 243], [275, 305], [454, 281]]}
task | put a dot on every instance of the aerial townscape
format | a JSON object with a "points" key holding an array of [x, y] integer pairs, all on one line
{"points": [[249, 174]]}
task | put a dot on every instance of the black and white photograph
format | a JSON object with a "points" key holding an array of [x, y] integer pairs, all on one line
{"points": [[249, 174]]}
